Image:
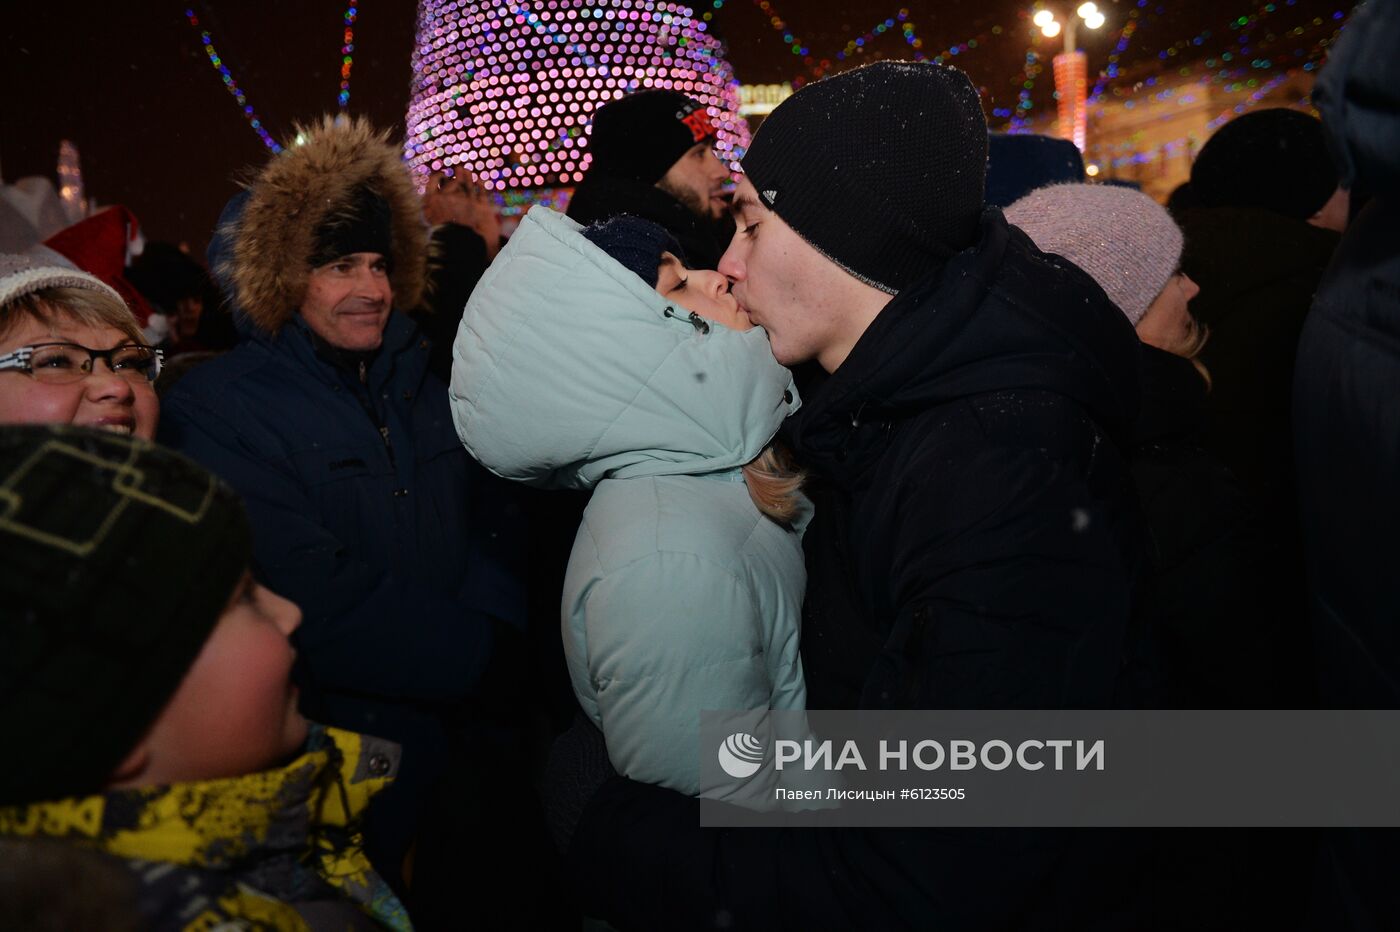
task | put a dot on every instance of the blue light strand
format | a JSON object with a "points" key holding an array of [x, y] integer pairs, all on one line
{"points": [[231, 85]]}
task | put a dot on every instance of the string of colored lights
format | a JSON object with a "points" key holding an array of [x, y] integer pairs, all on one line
{"points": [[347, 51], [798, 48], [1032, 67], [1024, 81], [248, 113], [911, 38], [961, 48], [858, 44], [1110, 71], [1020, 115], [1124, 38], [1254, 98], [861, 43], [1136, 20], [1260, 63], [1168, 149], [795, 45], [1257, 93], [1235, 23], [1228, 69], [1243, 25]]}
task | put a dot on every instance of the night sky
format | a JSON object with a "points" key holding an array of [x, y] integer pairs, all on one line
{"points": [[131, 85]]}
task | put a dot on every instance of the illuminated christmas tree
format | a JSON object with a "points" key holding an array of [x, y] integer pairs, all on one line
{"points": [[505, 90]]}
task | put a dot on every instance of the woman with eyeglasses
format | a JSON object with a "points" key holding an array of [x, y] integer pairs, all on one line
{"points": [[72, 353]]}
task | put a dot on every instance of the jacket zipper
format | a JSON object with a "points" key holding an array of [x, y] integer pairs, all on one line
{"points": [[373, 415]]}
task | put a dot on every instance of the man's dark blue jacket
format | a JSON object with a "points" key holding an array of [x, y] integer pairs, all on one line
{"points": [[369, 514]]}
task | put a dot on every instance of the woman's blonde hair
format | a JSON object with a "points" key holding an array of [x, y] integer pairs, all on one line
{"points": [[775, 483], [1193, 351], [1190, 348], [86, 306]]}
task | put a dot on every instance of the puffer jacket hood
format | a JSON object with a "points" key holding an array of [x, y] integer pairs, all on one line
{"points": [[568, 369], [271, 233]]}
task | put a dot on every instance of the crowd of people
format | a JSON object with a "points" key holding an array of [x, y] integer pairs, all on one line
{"points": [[377, 571]]}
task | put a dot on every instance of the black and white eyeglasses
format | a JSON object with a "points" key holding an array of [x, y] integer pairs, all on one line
{"points": [[64, 363]]}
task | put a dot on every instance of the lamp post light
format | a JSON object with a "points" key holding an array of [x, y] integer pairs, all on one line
{"points": [[1071, 68]]}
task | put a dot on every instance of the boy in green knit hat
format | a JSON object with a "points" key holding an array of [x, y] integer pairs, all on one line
{"points": [[146, 681]]}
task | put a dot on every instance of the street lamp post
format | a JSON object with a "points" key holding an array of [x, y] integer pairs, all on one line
{"points": [[1071, 69]]}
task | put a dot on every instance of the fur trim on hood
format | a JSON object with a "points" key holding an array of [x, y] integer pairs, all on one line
{"points": [[295, 193]]}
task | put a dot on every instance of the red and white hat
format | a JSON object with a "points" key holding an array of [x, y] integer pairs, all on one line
{"points": [[105, 244]]}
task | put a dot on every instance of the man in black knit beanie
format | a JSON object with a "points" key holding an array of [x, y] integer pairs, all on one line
{"points": [[652, 156], [975, 538]]}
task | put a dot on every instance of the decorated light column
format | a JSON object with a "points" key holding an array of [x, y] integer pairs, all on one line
{"points": [[505, 90], [1071, 70]]}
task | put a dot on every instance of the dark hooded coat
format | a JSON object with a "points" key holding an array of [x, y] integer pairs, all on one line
{"points": [[1347, 395], [366, 510], [1346, 410], [1257, 271], [1232, 636], [974, 546]]}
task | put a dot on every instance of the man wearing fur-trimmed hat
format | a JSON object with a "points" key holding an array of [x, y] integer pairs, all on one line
{"points": [[652, 156], [365, 508]]}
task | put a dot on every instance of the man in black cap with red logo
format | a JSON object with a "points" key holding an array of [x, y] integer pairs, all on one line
{"points": [[653, 157]]}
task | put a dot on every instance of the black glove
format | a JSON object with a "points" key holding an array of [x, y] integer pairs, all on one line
{"points": [[578, 765]]}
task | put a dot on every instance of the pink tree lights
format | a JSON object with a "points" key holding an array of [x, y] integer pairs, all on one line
{"points": [[505, 90]]}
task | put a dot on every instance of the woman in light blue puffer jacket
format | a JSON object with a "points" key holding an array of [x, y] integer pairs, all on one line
{"points": [[570, 371]]}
